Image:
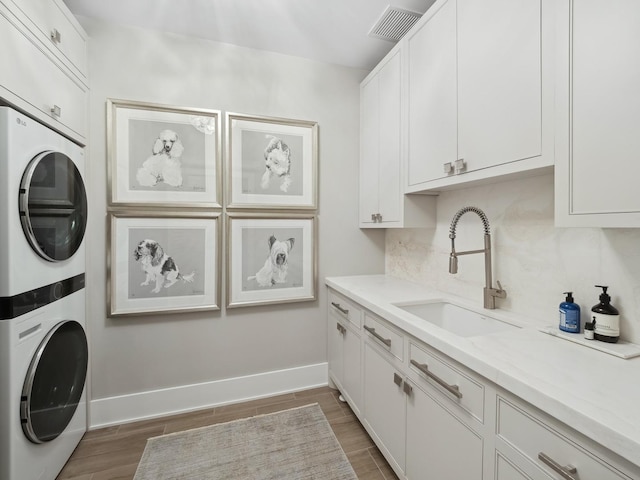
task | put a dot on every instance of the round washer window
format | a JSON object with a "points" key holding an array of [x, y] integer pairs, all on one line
{"points": [[54, 382], [53, 206]]}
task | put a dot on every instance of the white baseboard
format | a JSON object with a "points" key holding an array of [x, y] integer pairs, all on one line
{"points": [[156, 403]]}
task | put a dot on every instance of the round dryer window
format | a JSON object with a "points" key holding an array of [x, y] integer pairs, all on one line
{"points": [[54, 382], [53, 206]]}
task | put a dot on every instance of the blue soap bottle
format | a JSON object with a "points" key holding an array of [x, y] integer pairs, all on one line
{"points": [[569, 315]]}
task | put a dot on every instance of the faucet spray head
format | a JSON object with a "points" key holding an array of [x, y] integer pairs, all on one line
{"points": [[453, 263]]}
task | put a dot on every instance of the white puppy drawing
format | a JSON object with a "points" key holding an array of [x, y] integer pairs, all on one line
{"points": [[277, 157], [158, 266], [164, 165], [276, 265]]}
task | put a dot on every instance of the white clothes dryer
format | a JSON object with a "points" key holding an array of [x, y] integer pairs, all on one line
{"points": [[43, 209], [43, 346], [43, 366]]}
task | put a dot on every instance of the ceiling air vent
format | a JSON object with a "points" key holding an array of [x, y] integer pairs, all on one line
{"points": [[394, 23]]}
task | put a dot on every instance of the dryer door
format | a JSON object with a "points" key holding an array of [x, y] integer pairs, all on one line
{"points": [[53, 206], [54, 382]]}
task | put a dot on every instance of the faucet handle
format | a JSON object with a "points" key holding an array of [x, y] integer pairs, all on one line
{"points": [[499, 292]]}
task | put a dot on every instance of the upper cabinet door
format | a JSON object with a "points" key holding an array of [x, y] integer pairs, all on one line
{"points": [[599, 115], [432, 88], [499, 81]]}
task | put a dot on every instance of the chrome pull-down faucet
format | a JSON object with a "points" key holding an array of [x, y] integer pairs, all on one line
{"points": [[490, 293]]}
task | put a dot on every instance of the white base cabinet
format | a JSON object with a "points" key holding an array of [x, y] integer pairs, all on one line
{"points": [[344, 349], [433, 418]]}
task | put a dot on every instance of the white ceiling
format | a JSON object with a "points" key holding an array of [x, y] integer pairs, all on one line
{"points": [[331, 31]]}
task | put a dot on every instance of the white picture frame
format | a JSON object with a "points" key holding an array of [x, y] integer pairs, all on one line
{"points": [[272, 163], [255, 274], [182, 275], [164, 156]]}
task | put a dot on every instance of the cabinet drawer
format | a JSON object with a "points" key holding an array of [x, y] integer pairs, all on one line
{"points": [[343, 308], [49, 16], [458, 387], [40, 82], [535, 439], [384, 335]]}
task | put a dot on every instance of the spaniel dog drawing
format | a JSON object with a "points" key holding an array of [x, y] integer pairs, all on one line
{"points": [[164, 165], [277, 157], [276, 265], [158, 266]]}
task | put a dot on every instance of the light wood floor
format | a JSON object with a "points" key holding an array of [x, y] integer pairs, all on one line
{"points": [[114, 452]]}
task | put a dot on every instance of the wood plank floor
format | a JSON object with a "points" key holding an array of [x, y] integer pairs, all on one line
{"points": [[113, 453]]}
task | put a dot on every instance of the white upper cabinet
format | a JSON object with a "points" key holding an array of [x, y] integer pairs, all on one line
{"points": [[480, 92], [598, 123], [382, 200]]}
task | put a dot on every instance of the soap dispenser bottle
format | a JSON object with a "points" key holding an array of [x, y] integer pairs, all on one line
{"points": [[606, 318], [569, 315]]}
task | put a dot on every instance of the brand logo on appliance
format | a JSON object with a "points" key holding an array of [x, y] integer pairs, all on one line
{"points": [[21, 122]]}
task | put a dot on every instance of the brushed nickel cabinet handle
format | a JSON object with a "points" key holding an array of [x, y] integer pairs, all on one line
{"points": [[55, 36], [566, 472], [56, 111], [343, 310], [340, 328], [408, 389], [372, 331], [424, 368], [397, 379]]}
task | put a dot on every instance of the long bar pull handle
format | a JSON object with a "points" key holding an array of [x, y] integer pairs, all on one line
{"points": [[424, 368], [343, 310], [565, 472], [372, 331]]}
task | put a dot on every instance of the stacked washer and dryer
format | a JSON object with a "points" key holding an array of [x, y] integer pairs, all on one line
{"points": [[43, 345]]}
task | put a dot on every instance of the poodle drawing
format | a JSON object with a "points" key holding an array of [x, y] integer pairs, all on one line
{"points": [[164, 166], [277, 163]]}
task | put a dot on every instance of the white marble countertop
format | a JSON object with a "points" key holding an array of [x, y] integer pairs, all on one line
{"points": [[593, 392]]}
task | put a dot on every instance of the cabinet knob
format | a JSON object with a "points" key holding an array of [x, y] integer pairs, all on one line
{"points": [[378, 217], [408, 389], [397, 379], [460, 165], [448, 167], [55, 36], [56, 111]]}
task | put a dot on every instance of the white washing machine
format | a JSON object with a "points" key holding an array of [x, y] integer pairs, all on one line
{"points": [[43, 346], [43, 366]]}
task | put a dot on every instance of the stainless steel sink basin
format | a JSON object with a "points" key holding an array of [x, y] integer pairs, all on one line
{"points": [[455, 319]]}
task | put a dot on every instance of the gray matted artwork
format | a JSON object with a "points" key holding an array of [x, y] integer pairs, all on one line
{"points": [[166, 262], [272, 258], [272, 164], [166, 156]]}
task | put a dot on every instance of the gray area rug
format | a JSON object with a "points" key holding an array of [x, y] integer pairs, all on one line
{"points": [[292, 444]]}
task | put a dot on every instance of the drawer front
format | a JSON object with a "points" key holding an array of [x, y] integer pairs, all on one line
{"points": [[458, 387], [544, 446], [50, 16], [344, 308], [384, 335], [40, 82]]}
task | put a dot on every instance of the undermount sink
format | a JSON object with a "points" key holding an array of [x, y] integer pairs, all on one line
{"points": [[455, 319]]}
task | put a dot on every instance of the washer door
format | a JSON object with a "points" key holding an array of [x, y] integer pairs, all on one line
{"points": [[53, 206], [54, 382]]}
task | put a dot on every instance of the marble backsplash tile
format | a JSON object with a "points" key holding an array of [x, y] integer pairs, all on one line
{"points": [[534, 261]]}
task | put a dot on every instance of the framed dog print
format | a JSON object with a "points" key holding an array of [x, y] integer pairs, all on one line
{"points": [[163, 156], [270, 259], [163, 263], [271, 162]]}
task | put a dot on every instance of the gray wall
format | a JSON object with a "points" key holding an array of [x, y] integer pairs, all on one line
{"points": [[138, 354]]}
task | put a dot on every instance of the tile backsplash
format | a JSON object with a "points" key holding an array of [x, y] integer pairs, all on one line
{"points": [[534, 261]]}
